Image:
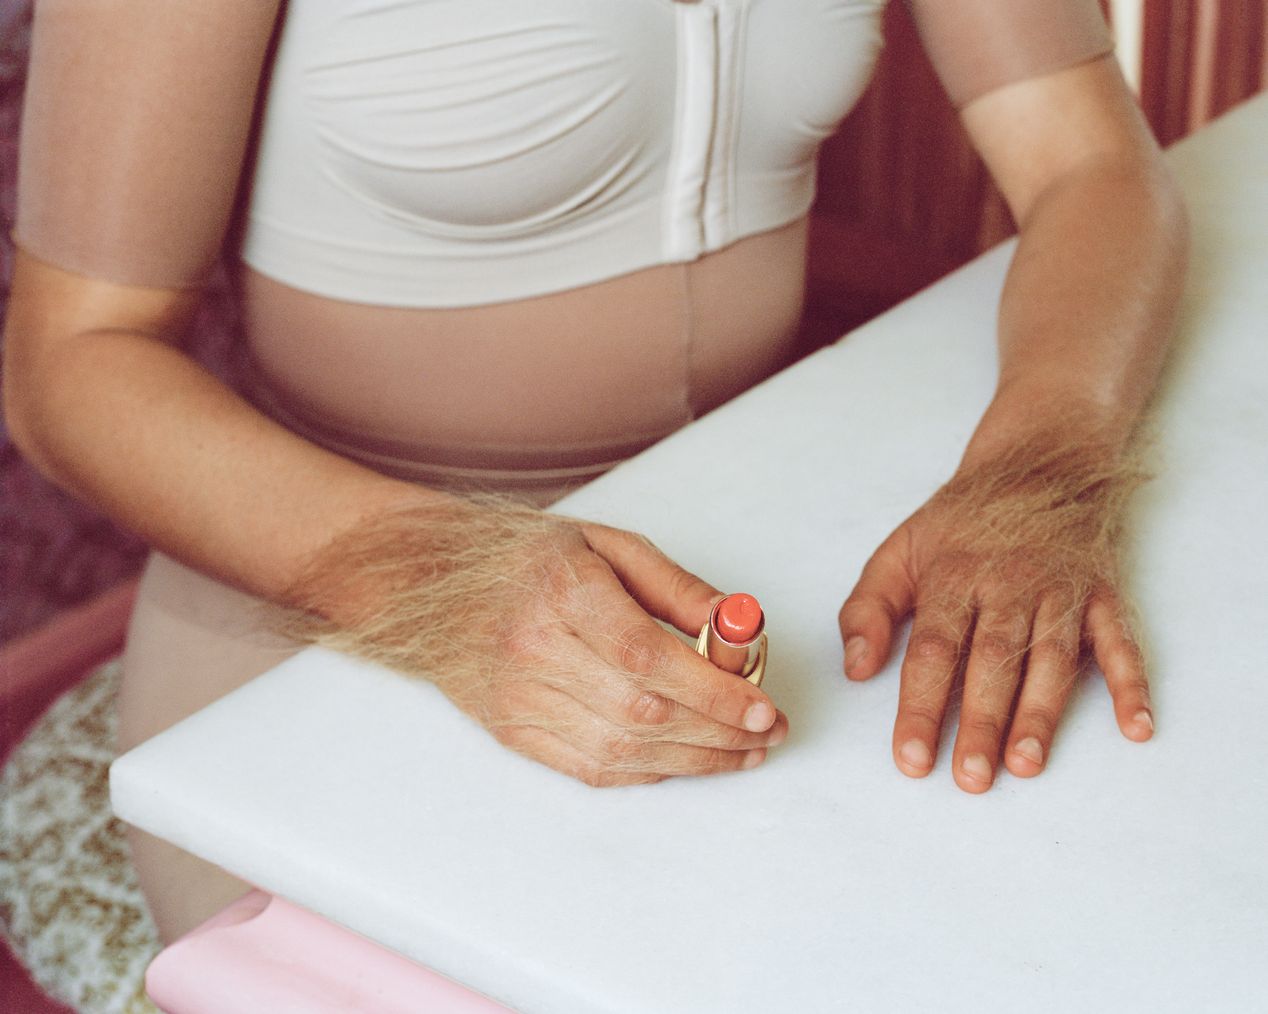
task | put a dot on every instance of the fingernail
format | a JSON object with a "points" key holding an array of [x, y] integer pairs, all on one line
{"points": [[977, 767], [753, 758], [915, 754], [778, 736], [759, 717], [855, 649], [1030, 748], [1144, 719]]}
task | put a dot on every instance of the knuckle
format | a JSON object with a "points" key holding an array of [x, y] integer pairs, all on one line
{"points": [[647, 543], [621, 748], [646, 707], [1056, 651], [934, 649], [712, 760], [730, 739], [856, 607], [715, 701], [997, 647], [568, 582], [1041, 719], [686, 584], [521, 640], [982, 727], [552, 571], [1018, 570], [634, 540], [508, 735], [579, 598], [560, 585], [596, 777], [640, 650], [922, 713], [683, 584]]}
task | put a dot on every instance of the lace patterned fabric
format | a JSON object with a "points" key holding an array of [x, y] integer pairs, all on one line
{"points": [[70, 905]]}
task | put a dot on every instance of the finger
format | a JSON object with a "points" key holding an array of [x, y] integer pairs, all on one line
{"points": [[653, 580], [549, 749], [938, 635], [883, 596], [990, 684], [1120, 659], [616, 751], [644, 712], [654, 659], [1052, 668]]}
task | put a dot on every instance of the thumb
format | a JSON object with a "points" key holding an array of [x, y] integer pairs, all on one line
{"points": [[653, 580], [883, 596]]}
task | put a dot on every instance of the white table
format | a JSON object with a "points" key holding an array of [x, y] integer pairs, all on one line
{"points": [[1126, 878]]}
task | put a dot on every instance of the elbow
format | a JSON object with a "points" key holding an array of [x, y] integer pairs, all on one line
{"points": [[14, 395], [26, 425], [35, 399], [25, 404]]}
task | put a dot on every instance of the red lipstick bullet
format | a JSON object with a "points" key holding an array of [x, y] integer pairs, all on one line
{"points": [[734, 638]]}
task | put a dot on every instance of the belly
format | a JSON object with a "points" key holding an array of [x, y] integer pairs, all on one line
{"points": [[561, 386]]}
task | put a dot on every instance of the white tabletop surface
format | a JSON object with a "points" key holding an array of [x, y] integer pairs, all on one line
{"points": [[1127, 877]]}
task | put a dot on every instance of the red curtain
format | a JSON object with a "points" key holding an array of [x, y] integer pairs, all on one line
{"points": [[1200, 58], [902, 197]]}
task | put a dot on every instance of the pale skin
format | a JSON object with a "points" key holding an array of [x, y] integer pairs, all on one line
{"points": [[205, 478]]}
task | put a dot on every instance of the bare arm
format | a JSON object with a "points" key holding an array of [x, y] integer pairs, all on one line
{"points": [[1012, 566], [1089, 305], [134, 133], [97, 397]]}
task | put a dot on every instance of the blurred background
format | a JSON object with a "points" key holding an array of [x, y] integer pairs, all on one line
{"points": [[902, 201]]}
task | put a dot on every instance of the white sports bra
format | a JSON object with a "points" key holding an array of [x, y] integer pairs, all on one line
{"points": [[464, 152]]}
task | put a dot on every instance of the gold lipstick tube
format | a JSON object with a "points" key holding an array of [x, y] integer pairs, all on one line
{"points": [[747, 658]]}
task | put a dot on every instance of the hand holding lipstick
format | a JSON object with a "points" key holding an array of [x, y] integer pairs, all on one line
{"points": [[665, 711], [544, 630]]}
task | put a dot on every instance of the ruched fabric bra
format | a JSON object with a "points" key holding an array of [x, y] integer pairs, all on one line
{"points": [[458, 152]]}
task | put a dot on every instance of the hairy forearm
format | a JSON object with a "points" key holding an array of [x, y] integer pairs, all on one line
{"points": [[1089, 305], [130, 424]]}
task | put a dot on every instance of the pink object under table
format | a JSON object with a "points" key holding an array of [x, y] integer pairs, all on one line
{"points": [[262, 953]]}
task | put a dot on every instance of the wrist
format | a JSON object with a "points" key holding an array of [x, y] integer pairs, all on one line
{"points": [[1054, 494], [1023, 413], [347, 572]]}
